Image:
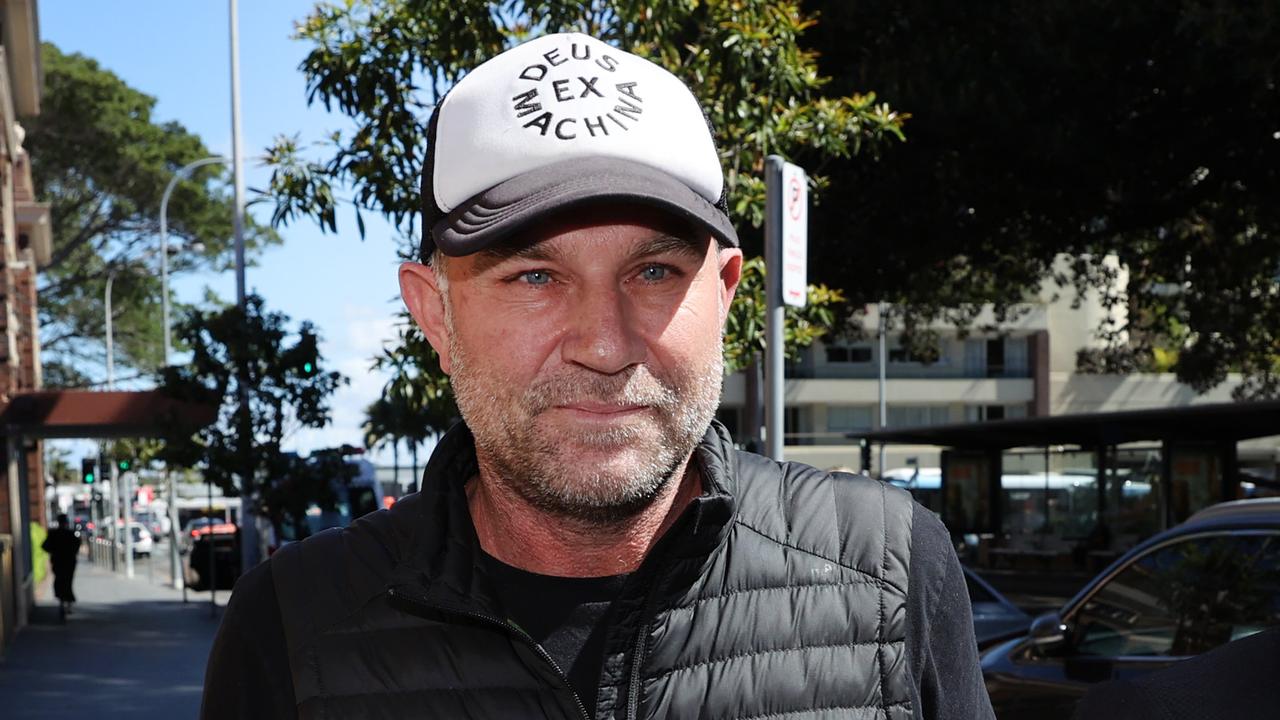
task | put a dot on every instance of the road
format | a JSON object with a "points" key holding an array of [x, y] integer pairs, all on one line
{"points": [[131, 649]]}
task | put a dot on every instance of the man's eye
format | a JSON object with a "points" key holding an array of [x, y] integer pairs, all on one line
{"points": [[536, 277], [654, 273]]}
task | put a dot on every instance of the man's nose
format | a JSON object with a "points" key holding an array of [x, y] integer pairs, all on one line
{"points": [[603, 333]]}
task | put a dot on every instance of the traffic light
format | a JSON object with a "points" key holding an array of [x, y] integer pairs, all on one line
{"points": [[306, 355], [124, 464], [88, 471]]}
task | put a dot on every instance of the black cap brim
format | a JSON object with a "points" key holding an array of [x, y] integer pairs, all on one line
{"points": [[493, 215]]}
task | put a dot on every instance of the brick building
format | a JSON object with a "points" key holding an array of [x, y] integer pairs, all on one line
{"points": [[25, 239]]}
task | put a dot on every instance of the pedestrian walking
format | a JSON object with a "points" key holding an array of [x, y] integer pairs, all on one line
{"points": [[63, 546], [588, 542]]}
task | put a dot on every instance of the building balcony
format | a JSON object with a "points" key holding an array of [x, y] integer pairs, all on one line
{"points": [[928, 390]]}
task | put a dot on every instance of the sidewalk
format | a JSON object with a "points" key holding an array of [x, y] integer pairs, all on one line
{"points": [[130, 649]]}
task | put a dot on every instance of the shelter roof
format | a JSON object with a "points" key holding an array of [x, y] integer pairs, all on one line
{"points": [[95, 414], [1209, 423]]}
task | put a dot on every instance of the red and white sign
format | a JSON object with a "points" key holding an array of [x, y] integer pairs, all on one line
{"points": [[795, 235]]}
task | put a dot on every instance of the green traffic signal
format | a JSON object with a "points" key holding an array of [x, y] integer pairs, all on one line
{"points": [[307, 368], [124, 465], [88, 471]]}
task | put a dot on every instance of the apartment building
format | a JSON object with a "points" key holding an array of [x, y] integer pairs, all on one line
{"points": [[1025, 368]]}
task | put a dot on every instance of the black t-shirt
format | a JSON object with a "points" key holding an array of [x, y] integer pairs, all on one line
{"points": [[567, 616], [248, 673]]}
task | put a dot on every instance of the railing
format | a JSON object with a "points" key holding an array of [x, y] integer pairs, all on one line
{"points": [[938, 371], [100, 551]]}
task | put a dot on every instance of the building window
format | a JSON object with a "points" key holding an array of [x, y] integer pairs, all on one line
{"points": [[848, 418], [979, 413], [904, 355], [902, 416], [995, 357], [848, 353]]}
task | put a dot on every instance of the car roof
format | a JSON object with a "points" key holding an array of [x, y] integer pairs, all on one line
{"points": [[1251, 514], [1259, 508]]}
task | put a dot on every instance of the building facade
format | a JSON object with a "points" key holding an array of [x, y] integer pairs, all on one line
{"points": [[25, 245], [1025, 367]]}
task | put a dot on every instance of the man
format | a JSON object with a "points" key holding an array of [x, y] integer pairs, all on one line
{"points": [[589, 544], [63, 545]]}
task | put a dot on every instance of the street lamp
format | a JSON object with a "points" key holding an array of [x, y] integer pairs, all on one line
{"points": [[115, 475], [175, 563], [164, 240]]}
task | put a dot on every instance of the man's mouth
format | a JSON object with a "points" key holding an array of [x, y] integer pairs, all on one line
{"points": [[601, 410]]}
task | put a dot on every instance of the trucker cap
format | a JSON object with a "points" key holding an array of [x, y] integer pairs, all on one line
{"points": [[560, 122]]}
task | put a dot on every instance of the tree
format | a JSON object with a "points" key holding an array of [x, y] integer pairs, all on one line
{"points": [[287, 390], [385, 64], [744, 341], [1144, 131], [102, 162], [417, 402]]}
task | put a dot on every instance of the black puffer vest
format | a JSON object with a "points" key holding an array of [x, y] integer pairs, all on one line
{"points": [[780, 594]]}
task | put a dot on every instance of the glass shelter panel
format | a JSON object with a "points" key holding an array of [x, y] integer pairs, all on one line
{"points": [[1195, 476], [1133, 495]]}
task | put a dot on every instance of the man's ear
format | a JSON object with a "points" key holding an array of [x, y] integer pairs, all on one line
{"points": [[730, 275], [422, 296]]}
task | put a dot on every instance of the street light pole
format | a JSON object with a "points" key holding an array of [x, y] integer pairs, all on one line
{"points": [[882, 309], [115, 479], [248, 525], [175, 564], [164, 241]]}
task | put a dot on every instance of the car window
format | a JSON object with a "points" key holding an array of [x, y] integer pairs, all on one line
{"points": [[1184, 599], [977, 593]]}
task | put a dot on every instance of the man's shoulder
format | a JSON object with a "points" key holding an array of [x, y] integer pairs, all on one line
{"points": [[799, 487], [332, 573], [866, 523]]}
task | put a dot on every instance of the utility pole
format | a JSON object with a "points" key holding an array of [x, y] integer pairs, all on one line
{"points": [[175, 563], [111, 385], [882, 309], [786, 237], [248, 524]]}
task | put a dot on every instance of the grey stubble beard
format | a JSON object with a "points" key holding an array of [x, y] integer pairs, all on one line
{"points": [[532, 465]]}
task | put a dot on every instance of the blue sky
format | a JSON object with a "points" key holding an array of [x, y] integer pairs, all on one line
{"points": [[179, 53]]}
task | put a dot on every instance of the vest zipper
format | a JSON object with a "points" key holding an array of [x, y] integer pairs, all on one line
{"points": [[646, 624], [502, 625]]}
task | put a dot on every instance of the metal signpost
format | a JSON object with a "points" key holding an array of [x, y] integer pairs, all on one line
{"points": [[786, 241]]}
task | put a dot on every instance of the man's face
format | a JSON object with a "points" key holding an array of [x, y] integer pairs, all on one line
{"points": [[585, 357]]}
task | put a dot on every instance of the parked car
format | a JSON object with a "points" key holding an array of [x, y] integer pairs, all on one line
{"points": [[200, 574], [142, 540], [201, 526], [83, 526], [1207, 582], [156, 523], [995, 619]]}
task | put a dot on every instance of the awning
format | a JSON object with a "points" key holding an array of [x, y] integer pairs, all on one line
{"points": [[91, 414], [1209, 423]]}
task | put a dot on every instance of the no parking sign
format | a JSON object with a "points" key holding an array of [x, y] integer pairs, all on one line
{"points": [[795, 235]]}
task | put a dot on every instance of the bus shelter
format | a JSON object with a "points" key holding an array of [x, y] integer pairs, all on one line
{"points": [[1074, 491], [28, 417]]}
